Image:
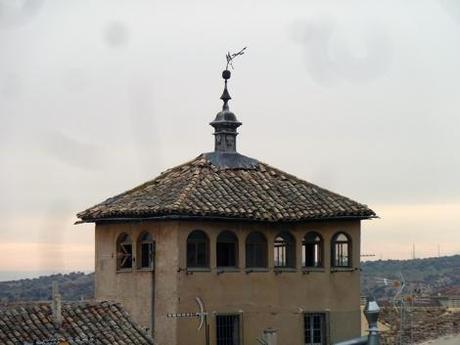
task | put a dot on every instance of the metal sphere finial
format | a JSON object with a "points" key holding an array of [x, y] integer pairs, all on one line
{"points": [[226, 74]]}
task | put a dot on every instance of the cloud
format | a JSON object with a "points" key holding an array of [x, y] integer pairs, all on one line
{"points": [[452, 9], [72, 151], [97, 97], [37, 256], [116, 34], [426, 226], [18, 13], [46, 241], [331, 57]]}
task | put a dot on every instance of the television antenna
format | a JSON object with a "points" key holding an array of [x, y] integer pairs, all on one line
{"points": [[401, 305], [201, 315]]}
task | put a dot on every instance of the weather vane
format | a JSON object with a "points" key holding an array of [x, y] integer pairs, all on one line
{"points": [[231, 57], [227, 74]]}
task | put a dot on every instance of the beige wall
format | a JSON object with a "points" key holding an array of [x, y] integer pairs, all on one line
{"points": [[263, 299], [133, 288]]}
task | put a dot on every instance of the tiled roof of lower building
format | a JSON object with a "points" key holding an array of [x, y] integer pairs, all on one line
{"points": [[229, 186], [94, 323]]}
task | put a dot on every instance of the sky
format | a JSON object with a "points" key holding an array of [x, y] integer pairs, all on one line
{"points": [[96, 97]]}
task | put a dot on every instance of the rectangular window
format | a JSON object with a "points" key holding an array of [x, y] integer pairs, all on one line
{"points": [[315, 328], [228, 329]]}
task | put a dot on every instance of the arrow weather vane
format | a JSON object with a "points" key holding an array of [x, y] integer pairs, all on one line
{"points": [[231, 57]]}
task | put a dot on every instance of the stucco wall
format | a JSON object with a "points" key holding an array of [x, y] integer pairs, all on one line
{"points": [[133, 288], [268, 299], [263, 299]]}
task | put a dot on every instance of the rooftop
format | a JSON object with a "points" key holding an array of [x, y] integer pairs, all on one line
{"points": [[227, 185], [93, 323], [245, 190]]}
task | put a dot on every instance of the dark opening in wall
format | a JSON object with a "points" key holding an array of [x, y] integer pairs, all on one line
{"points": [[256, 250], [228, 329], [124, 252], [341, 250], [227, 249], [146, 251], [284, 251], [312, 250], [197, 250]]}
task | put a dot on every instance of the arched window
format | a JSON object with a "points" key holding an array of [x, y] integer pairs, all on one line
{"points": [[284, 250], [341, 250], [124, 252], [256, 250], [197, 249], [312, 250], [146, 251], [227, 249]]}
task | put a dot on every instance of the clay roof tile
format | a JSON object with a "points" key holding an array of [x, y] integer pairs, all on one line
{"points": [[254, 192]]}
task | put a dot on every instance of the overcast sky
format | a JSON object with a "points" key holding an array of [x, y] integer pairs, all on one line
{"points": [[361, 97]]}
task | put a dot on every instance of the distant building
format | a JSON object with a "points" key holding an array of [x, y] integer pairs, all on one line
{"points": [[261, 248], [82, 323]]}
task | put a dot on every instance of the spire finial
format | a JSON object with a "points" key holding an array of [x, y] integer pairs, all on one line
{"points": [[226, 95], [226, 74], [225, 123]]}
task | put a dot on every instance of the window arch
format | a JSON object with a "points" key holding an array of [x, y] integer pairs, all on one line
{"points": [[124, 252], [312, 250], [256, 250], [227, 249], [341, 250], [145, 251], [284, 250], [197, 249]]}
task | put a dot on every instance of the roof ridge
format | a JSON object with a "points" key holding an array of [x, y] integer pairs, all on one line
{"points": [[311, 184], [199, 188], [162, 174], [188, 188], [81, 214]]}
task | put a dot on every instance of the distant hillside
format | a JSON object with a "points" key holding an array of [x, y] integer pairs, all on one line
{"points": [[423, 276], [73, 286], [427, 276]]}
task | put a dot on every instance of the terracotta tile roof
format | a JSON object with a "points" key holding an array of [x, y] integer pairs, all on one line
{"points": [[94, 323], [250, 190]]}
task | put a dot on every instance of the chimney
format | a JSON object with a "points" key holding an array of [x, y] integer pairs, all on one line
{"points": [[56, 306]]}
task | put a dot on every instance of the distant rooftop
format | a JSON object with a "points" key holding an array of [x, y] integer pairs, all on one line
{"points": [[95, 323]]}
